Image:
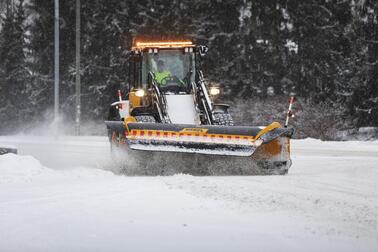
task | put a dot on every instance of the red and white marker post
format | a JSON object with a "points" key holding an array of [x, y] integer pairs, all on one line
{"points": [[120, 99], [289, 113]]}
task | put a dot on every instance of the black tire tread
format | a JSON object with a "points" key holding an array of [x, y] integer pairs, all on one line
{"points": [[223, 119], [145, 119]]}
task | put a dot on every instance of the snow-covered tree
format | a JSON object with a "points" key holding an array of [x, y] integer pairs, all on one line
{"points": [[323, 51], [14, 75]]}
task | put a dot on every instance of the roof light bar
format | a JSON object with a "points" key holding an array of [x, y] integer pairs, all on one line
{"points": [[164, 44]]}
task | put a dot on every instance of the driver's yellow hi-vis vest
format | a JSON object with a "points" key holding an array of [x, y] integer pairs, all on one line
{"points": [[159, 76]]}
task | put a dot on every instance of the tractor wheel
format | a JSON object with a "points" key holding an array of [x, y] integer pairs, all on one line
{"points": [[145, 119], [223, 119]]}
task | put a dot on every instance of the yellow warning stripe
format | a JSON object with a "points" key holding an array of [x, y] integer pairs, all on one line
{"points": [[141, 133], [137, 133]]}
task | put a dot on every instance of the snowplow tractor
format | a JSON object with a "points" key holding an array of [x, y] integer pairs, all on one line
{"points": [[170, 123]]}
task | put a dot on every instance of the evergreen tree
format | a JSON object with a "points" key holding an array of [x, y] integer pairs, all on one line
{"points": [[41, 61], [14, 75], [324, 51], [364, 102]]}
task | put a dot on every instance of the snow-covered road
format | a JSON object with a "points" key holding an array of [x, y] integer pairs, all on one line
{"points": [[327, 202]]}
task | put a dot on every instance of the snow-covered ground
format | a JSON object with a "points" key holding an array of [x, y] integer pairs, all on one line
{"points": [[58, 196]]}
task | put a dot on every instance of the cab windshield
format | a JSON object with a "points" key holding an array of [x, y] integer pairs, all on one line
{"points": [[173, 69]]}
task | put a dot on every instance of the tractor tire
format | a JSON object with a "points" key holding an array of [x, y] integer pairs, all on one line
{"points": [[223, 119], [166, 121], [145, 119]]}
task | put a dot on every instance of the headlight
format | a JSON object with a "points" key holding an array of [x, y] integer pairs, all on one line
{"points": [[214, 91], [139, 93]]}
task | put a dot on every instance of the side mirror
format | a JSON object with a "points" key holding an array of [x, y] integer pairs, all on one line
{"points": [[203, 50]]}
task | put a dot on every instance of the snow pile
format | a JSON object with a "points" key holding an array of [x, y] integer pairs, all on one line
{"points": [[15, 169]]}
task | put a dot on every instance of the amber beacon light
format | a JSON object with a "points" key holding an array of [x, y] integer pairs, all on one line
{"points": [[164, 44]]}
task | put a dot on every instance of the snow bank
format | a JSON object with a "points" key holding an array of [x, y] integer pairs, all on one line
{"points": [[360, 134], [347, 148], [15, 168], [327, 202]]}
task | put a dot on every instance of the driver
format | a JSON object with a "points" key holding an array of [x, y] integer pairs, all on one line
{"points": [[161, 73]]}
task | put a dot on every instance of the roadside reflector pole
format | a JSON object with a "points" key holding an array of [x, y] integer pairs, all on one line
{"points": [[119, 95], [289, 113], [120, 99]]}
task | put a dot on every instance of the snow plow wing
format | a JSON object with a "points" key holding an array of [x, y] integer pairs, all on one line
{"points": [[213, 140], [240, 147]]}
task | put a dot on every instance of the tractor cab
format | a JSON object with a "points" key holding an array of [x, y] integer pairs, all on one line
{"points": [[172, 69], [164, 79], [166, 85], [170, 65]]}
